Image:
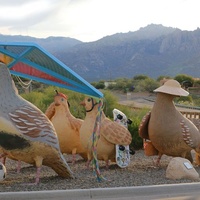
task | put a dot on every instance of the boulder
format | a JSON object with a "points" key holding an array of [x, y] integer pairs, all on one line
{"points": [[181, 168]]}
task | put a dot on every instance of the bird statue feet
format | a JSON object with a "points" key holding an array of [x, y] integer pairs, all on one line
{"points": [[156, 162]]}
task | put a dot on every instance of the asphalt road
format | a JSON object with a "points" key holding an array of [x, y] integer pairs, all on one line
{"points": [[189, 191], [143, 99]]}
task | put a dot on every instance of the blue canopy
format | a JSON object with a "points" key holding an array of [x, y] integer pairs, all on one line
{"points": [[30, 61]]}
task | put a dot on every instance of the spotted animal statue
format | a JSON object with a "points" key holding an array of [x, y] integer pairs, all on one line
{"points": [[67, 126], [26, 133]]}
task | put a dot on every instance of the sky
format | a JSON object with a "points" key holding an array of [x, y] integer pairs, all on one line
{"points": [[90, 20]]}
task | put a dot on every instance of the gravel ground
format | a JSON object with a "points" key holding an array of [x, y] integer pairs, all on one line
{"points": [[141, 171]]}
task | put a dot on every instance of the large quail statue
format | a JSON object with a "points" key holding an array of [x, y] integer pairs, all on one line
{"points": [[26, 133], [111, 133], [67, 126], [169, 131]]}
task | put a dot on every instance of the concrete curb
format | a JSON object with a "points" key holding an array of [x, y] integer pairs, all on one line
{"points": [[139, 192]]}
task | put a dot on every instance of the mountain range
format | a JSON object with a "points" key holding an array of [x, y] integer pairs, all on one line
{"points": [[153, 50]]}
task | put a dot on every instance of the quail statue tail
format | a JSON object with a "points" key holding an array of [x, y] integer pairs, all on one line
{"points": [[60, 166]]}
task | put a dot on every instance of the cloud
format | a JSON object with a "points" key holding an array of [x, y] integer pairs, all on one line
{"points": [[26, 13], [89, 20], [14, 2]]}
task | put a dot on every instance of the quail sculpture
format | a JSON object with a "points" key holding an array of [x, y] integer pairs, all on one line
{"points": [[67, 126], [111, 133], [26, 133], [169, 131]]}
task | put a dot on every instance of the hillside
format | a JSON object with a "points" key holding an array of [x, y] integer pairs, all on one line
{"points": [[51, 44], [153, 51]]}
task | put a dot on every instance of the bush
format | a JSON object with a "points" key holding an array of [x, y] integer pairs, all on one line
{"points": [[197, 102], [110, 102], [146, 85], [185, 100], [36, 98], [183, 77], [136, 117]]}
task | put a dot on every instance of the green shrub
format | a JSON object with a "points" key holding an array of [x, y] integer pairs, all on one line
{"points": [[36, 98], [183, 77], [110, 102], [146, 85], [197, 102], [137, 141], [184, 100], [136, 117], [99, 85]]}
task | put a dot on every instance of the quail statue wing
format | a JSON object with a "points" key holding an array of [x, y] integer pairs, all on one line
{"points": [[34, 125], [187, 136], [50, 112], [143, 127], [115, 133], [75, 123]]}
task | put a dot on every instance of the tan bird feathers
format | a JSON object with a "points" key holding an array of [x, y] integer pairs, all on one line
{"points": [[66, 125]]}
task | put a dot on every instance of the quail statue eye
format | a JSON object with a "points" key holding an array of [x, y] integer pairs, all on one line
{"points": [[89, 100]]}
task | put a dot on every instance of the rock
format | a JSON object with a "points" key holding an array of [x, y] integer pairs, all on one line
{"points": [[181, 168]]}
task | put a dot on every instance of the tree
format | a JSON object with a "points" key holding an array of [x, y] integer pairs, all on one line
{"points": [[140, 77], [146, 85], [98, 85], [163, 77], [181, 78], [110, 102], [122, 84], [196, 83]]}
